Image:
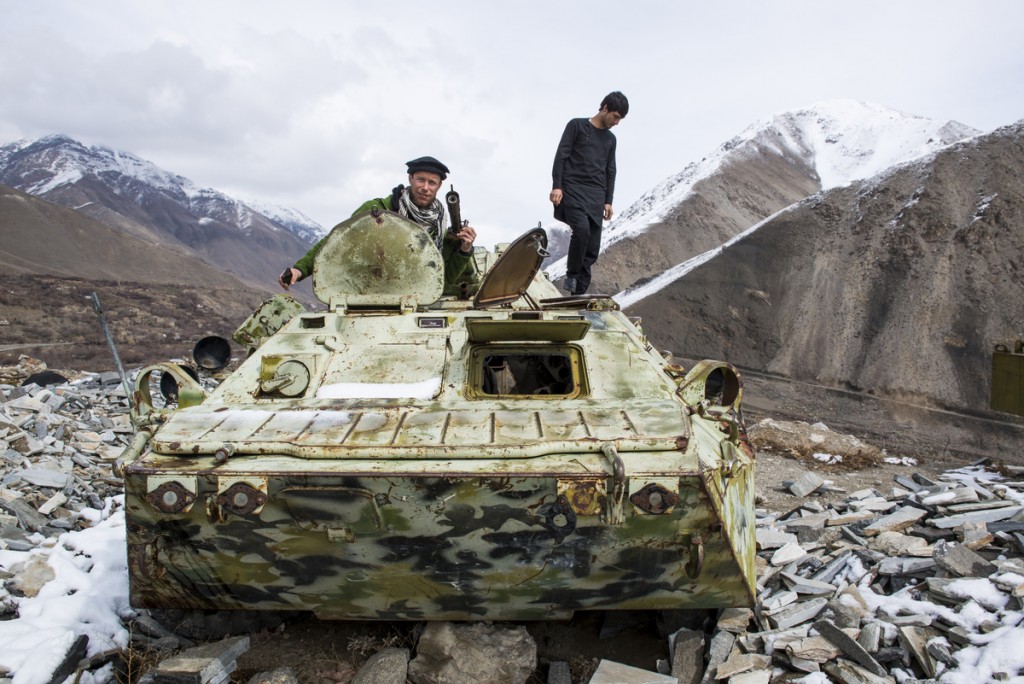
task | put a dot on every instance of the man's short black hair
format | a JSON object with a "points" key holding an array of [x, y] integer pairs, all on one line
{"points": [[616, 102]]}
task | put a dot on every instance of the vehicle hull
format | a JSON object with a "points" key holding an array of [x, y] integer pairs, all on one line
{"points": [[437, 541]]}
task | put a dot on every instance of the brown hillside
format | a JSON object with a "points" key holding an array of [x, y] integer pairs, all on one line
{"points": [[158, 300], [52, 319], [46, 239]]}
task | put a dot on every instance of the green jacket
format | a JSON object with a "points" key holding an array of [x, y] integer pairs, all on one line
{"points": [[459, 267]]}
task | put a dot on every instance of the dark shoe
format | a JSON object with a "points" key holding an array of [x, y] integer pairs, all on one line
{"points": [[569, 284]]}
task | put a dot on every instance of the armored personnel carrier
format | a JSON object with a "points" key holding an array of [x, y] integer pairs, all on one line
{"points": [[405, 455]]}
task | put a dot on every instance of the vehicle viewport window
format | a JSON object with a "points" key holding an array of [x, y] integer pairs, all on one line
{"points": [[528, 374]]}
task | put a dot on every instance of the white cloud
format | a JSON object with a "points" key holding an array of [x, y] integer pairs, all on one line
{"points": [[318, 105]]}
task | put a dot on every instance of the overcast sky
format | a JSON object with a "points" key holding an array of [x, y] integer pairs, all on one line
{"points": [[316, 105]]}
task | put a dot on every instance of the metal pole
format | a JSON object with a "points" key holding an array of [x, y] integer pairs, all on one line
{"points": [[113, 350]]}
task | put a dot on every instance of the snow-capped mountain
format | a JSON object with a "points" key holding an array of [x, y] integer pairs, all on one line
{"points": [[143, 200], [897, 285], [770, 165]]}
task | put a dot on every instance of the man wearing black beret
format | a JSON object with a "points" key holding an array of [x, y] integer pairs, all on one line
{"points": [[417, 202]]}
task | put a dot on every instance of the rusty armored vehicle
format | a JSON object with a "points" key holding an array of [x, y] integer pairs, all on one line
{"points": [[408, 454]]}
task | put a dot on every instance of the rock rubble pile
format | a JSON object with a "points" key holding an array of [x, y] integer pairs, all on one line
{"points": [[922, 582], [58, 443]]}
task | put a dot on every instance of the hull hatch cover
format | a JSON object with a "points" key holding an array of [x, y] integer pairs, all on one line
{"points": [[514, 271], [378, 258]]}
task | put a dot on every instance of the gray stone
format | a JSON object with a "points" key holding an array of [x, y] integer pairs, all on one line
{"points": [[803, 585], [45, 477], [906, 566], [870, 637], [15, 539], [688, 656], [797, 613], [788, 554], [389, 666], [29, 576], [851, 648], [850, 518], [742, 662], [847, 672], [778, 601], [812, 649], [915, 640], [610, 672], [206, 664], [752, 677], [952, 521], [806, 483], [282, 675], [559, 673], [897, 521], [735, 619], [51, 504], [109, 378], [71, 659], [814, 521], [28, 517], [961, 561], [721, 645], [873, 505], [483, 654], [802, 664], [773, 538], [833, 568], [899, 544]]}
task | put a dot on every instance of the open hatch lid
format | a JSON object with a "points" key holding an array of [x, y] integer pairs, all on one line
{"points": [[514, 271], [378, 258]]}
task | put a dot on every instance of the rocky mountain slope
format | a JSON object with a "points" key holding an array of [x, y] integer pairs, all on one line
{"points": [[764, 169], [47, 239], [897, 286], [158, 298], [141, 200]]}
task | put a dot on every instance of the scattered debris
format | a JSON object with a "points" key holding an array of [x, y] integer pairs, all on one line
{"points": [[921, 582]]}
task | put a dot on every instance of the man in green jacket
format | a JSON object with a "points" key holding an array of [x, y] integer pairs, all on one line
{"points": [[418, 202]]}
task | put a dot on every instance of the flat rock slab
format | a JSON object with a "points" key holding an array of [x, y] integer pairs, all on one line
{"points": [[688, 656], [897, 521], [851, 648], [797, 613], [610, 672], [961, 561], [806, 483], [213, 662]]}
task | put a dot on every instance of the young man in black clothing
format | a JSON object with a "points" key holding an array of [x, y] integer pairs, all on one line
{"points": [[583, 184]]}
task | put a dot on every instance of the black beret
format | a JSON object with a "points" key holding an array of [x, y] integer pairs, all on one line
{"points": [[427, 164]]}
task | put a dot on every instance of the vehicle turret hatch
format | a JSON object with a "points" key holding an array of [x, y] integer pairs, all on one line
{"points": [[514, 271], [378, 258]]}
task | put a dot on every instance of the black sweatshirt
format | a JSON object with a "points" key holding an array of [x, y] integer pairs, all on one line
{"points": [[584, 167]]}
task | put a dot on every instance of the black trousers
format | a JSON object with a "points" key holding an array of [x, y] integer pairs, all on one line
{"points": [[584, 247]]}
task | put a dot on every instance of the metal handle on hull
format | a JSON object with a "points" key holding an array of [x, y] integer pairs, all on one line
{"points": [[616, 513]]}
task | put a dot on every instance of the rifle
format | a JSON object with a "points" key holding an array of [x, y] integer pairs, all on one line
{"points": [[454, 212]]}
